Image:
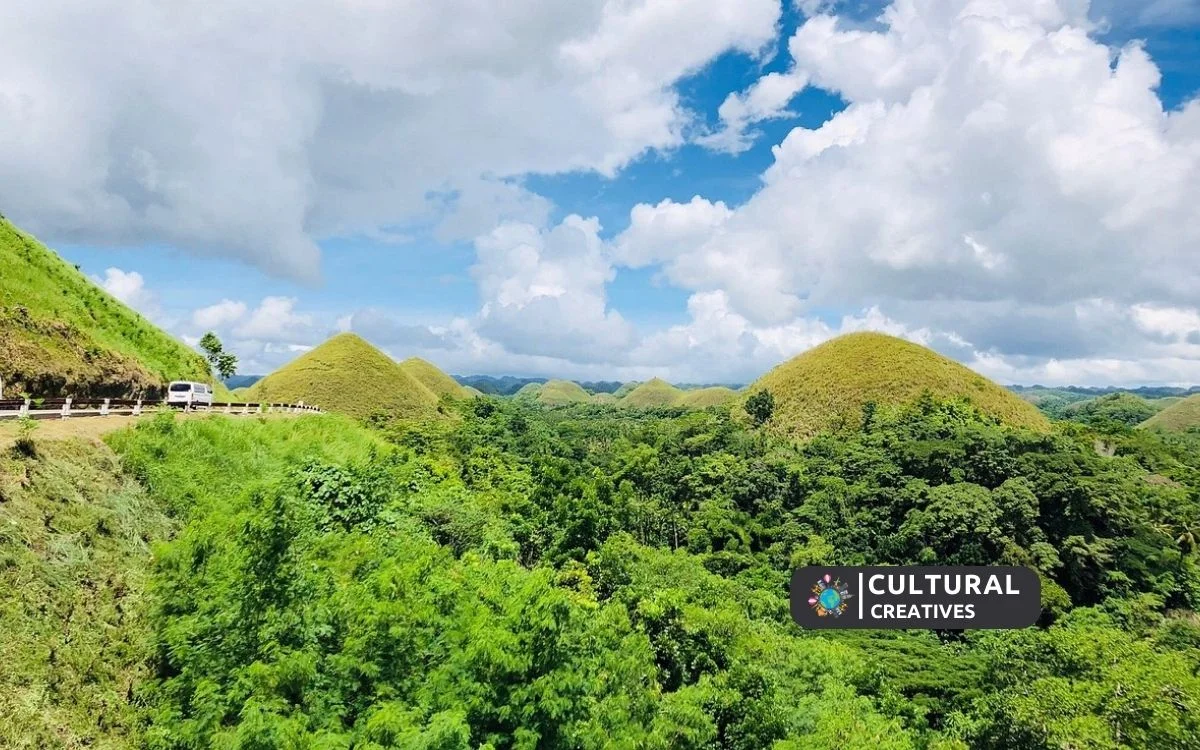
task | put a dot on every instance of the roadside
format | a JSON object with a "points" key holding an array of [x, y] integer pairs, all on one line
{"points": [[92, 428]]}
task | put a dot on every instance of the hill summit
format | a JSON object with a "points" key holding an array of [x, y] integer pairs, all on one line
{"points": [[434, 378], [348, 375], [828, 385], [653, 393], [1178, 417], [61, 335]]}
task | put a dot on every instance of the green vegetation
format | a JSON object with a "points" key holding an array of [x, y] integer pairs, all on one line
{"points": [[561, 393], [652, 394], [1124, 409], [61, 335], [608, 399], [222, 362], [827, 387], [75, 637], [1178, 417], [347, 375], [433, 378], [589, 577], [702, 398]]}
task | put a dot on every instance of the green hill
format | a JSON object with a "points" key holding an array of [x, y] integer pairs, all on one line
{"points": [[528, 391], [1177, 417], [651, 394], [828, 385], [433, 378], [702, 398], [348, 375], [61, 335], [624, 390], [604, 398], [561, 393]]}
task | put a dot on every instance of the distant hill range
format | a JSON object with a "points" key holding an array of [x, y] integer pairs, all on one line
{"points": [[1152, 391], [62, 335], [242, 381], [507, 385]]}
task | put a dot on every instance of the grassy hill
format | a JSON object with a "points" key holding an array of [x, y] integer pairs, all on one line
{"points": [[702, 398], [624, 390], [561, 393], [349, 376], [604, 398], [828, 385], [529, 390], [651, 394], [1177, 417], [60, 334], [433, 378]]}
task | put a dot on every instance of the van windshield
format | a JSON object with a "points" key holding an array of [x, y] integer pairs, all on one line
{"points": [[177, 387]]}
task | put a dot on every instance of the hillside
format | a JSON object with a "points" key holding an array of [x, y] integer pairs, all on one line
{"points": [[1177, 417], [349, 376], [651, 394], [528, 391], [702, 398], [828, 385], [561, 393], [433, 378], [60, 334]]}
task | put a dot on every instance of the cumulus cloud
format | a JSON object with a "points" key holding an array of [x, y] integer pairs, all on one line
{"points": [[253, 130], [219, 315], [130, 288], [275, 318], [998, 175], [544, 290]]}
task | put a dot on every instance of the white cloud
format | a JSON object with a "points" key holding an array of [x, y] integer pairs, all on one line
{"points": [[275, 318], [129, 287], [998, 175], [250, 130], [543, 290], [219, 315], [767, 99]]}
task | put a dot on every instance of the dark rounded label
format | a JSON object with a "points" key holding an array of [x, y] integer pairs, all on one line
{"points": [[896, 597]]}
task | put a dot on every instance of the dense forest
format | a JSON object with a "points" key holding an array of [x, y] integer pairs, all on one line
{"points": [[588, 577]]}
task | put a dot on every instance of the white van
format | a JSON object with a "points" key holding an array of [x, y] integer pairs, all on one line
{"points": [[184, 393]]}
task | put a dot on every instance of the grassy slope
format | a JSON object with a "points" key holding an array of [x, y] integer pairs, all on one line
{"points": [[74, 566], [704, 397], [60, 334], [433, 378], [624, 390], [652, 393], [604, 398], [828, 385], [561, 393], [1177, 417], [529, 390], [348, 376]]}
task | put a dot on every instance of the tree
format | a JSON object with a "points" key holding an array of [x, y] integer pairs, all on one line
{"points": [[220, 360], [760, 407]]}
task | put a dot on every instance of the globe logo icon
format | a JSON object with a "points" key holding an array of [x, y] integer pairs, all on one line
{"points": [[829, 596]]}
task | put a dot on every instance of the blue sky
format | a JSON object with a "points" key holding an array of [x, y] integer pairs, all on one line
{"points": [[969, 175]]}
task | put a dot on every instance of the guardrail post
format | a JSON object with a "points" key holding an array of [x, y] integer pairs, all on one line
{"points": [[228, 406], [25, 408], [245, 408], [66, 409], [104, 407], [137, 408]]}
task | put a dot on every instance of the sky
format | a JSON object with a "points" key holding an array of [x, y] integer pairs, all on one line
{"points": [[620, 189]]}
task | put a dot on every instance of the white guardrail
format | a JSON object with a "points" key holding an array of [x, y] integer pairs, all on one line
{"points": [[68, 408]]}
